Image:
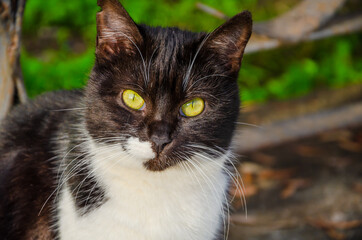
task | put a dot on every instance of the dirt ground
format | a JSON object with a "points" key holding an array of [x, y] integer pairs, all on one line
{"points": [[306, 189]]}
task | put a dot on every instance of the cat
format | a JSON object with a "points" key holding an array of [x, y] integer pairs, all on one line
{"points": [[143, 152]]}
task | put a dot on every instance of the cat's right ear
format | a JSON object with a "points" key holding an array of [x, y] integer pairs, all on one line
{"points": [[230, 39], [117, 33]]}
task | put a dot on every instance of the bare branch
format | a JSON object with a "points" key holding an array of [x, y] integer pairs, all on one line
{"points": [[6, 83], [300, 127], [17, 72], [301, 24], [345, 26], [306, 17], [212, 11], [278, 122], [11, 13]]}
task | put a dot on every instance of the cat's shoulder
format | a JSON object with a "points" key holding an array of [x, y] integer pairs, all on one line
{"points": [[26, 150], [47, 102], [36, 112], [32, 124]]}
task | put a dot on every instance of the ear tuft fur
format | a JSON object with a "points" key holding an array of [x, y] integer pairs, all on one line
{"points": [[116, 31], [230, 39]]}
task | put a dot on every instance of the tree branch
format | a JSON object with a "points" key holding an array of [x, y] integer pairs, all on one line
{"points": [[212, 11], [344, 26], [303, 19], [11, 12], [301, 24], [296, 128]]}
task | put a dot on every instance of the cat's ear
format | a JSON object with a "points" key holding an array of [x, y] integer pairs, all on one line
{"points": [[230, 39], [116, 31]]}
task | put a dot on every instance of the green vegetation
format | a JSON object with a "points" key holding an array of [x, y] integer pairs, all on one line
{"points": [[59, 38]]}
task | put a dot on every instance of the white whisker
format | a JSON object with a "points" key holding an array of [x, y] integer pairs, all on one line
{"points": [[140, 53], [208, 76], [249, 124], [149, 64], [188, 72], [208, 181], [240, 186], [68, 109]]}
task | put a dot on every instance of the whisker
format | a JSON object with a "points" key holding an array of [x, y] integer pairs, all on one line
{"points": [[93, 171], [149, 64], [208, 180], [140, 53], [56, 190], [212, 75], [228, 156], [188, 72], [250, 125], [66, 175], [65, 156], [68, 109]]}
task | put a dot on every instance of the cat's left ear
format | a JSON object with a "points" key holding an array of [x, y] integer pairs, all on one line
{"points": [[116, 31], [230, 39]]}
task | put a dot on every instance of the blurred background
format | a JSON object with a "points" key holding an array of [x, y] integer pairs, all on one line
{"points": [[299, 137], [59, 41]]}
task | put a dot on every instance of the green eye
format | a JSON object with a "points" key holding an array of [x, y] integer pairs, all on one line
{"points": [[133, 100], [192, 108]]}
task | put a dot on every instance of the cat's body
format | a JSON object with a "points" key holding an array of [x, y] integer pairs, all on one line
{"points": [[149, 206], [27, 162], [85, 165], [150, 198]]}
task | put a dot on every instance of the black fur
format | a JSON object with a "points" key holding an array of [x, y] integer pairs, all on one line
{"points": [[155, 62], [26, 165]]}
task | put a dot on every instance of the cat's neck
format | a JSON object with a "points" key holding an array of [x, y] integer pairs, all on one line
{"points": [[108, 166], [181, 200], [106, 169]]}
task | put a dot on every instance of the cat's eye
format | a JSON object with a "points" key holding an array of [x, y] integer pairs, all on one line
{"points": [[192, 108], [133, 100]]}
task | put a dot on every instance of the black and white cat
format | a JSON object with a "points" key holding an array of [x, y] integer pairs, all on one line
{"points": [[142, 152]]}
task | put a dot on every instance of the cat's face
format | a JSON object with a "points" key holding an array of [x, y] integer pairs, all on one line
{"points": [[163, 94]]}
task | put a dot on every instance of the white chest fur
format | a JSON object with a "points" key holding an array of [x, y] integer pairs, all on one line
{"points": [[178, 203]]}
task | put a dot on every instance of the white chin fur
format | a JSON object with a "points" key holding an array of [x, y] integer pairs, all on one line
{"points": [[178, 203], [133, 155], [138, 149]]}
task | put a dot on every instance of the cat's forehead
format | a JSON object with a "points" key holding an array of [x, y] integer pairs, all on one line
{"points": [[168, 48], [169, 37], [168, 57]]}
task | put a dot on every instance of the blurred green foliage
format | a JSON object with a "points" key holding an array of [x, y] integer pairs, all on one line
{"points": [[59, 39]]}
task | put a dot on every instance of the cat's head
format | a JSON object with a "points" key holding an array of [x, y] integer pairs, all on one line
{"points": [[162, 94]]}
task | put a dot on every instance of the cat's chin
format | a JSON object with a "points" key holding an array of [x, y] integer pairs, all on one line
{"points": [[159, 163]]}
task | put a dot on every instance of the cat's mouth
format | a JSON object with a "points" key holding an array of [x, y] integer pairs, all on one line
{"points": [[162, 160], [160, 163]]}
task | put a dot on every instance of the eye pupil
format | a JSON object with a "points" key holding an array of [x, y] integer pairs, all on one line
{"points": [[192, 108], [133, 100]]}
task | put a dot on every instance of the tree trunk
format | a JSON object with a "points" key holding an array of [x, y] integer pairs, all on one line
{"points": [[11, 83]]}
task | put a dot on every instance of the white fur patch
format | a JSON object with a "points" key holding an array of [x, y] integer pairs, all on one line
{"points": [[138, 149], [178, 203]]}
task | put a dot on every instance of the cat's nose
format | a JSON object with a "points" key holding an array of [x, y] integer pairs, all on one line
{"points": [[160, 135], [160, 142]]}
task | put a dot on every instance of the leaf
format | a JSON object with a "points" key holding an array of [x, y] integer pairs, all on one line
{"points": [[293, 185]]}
